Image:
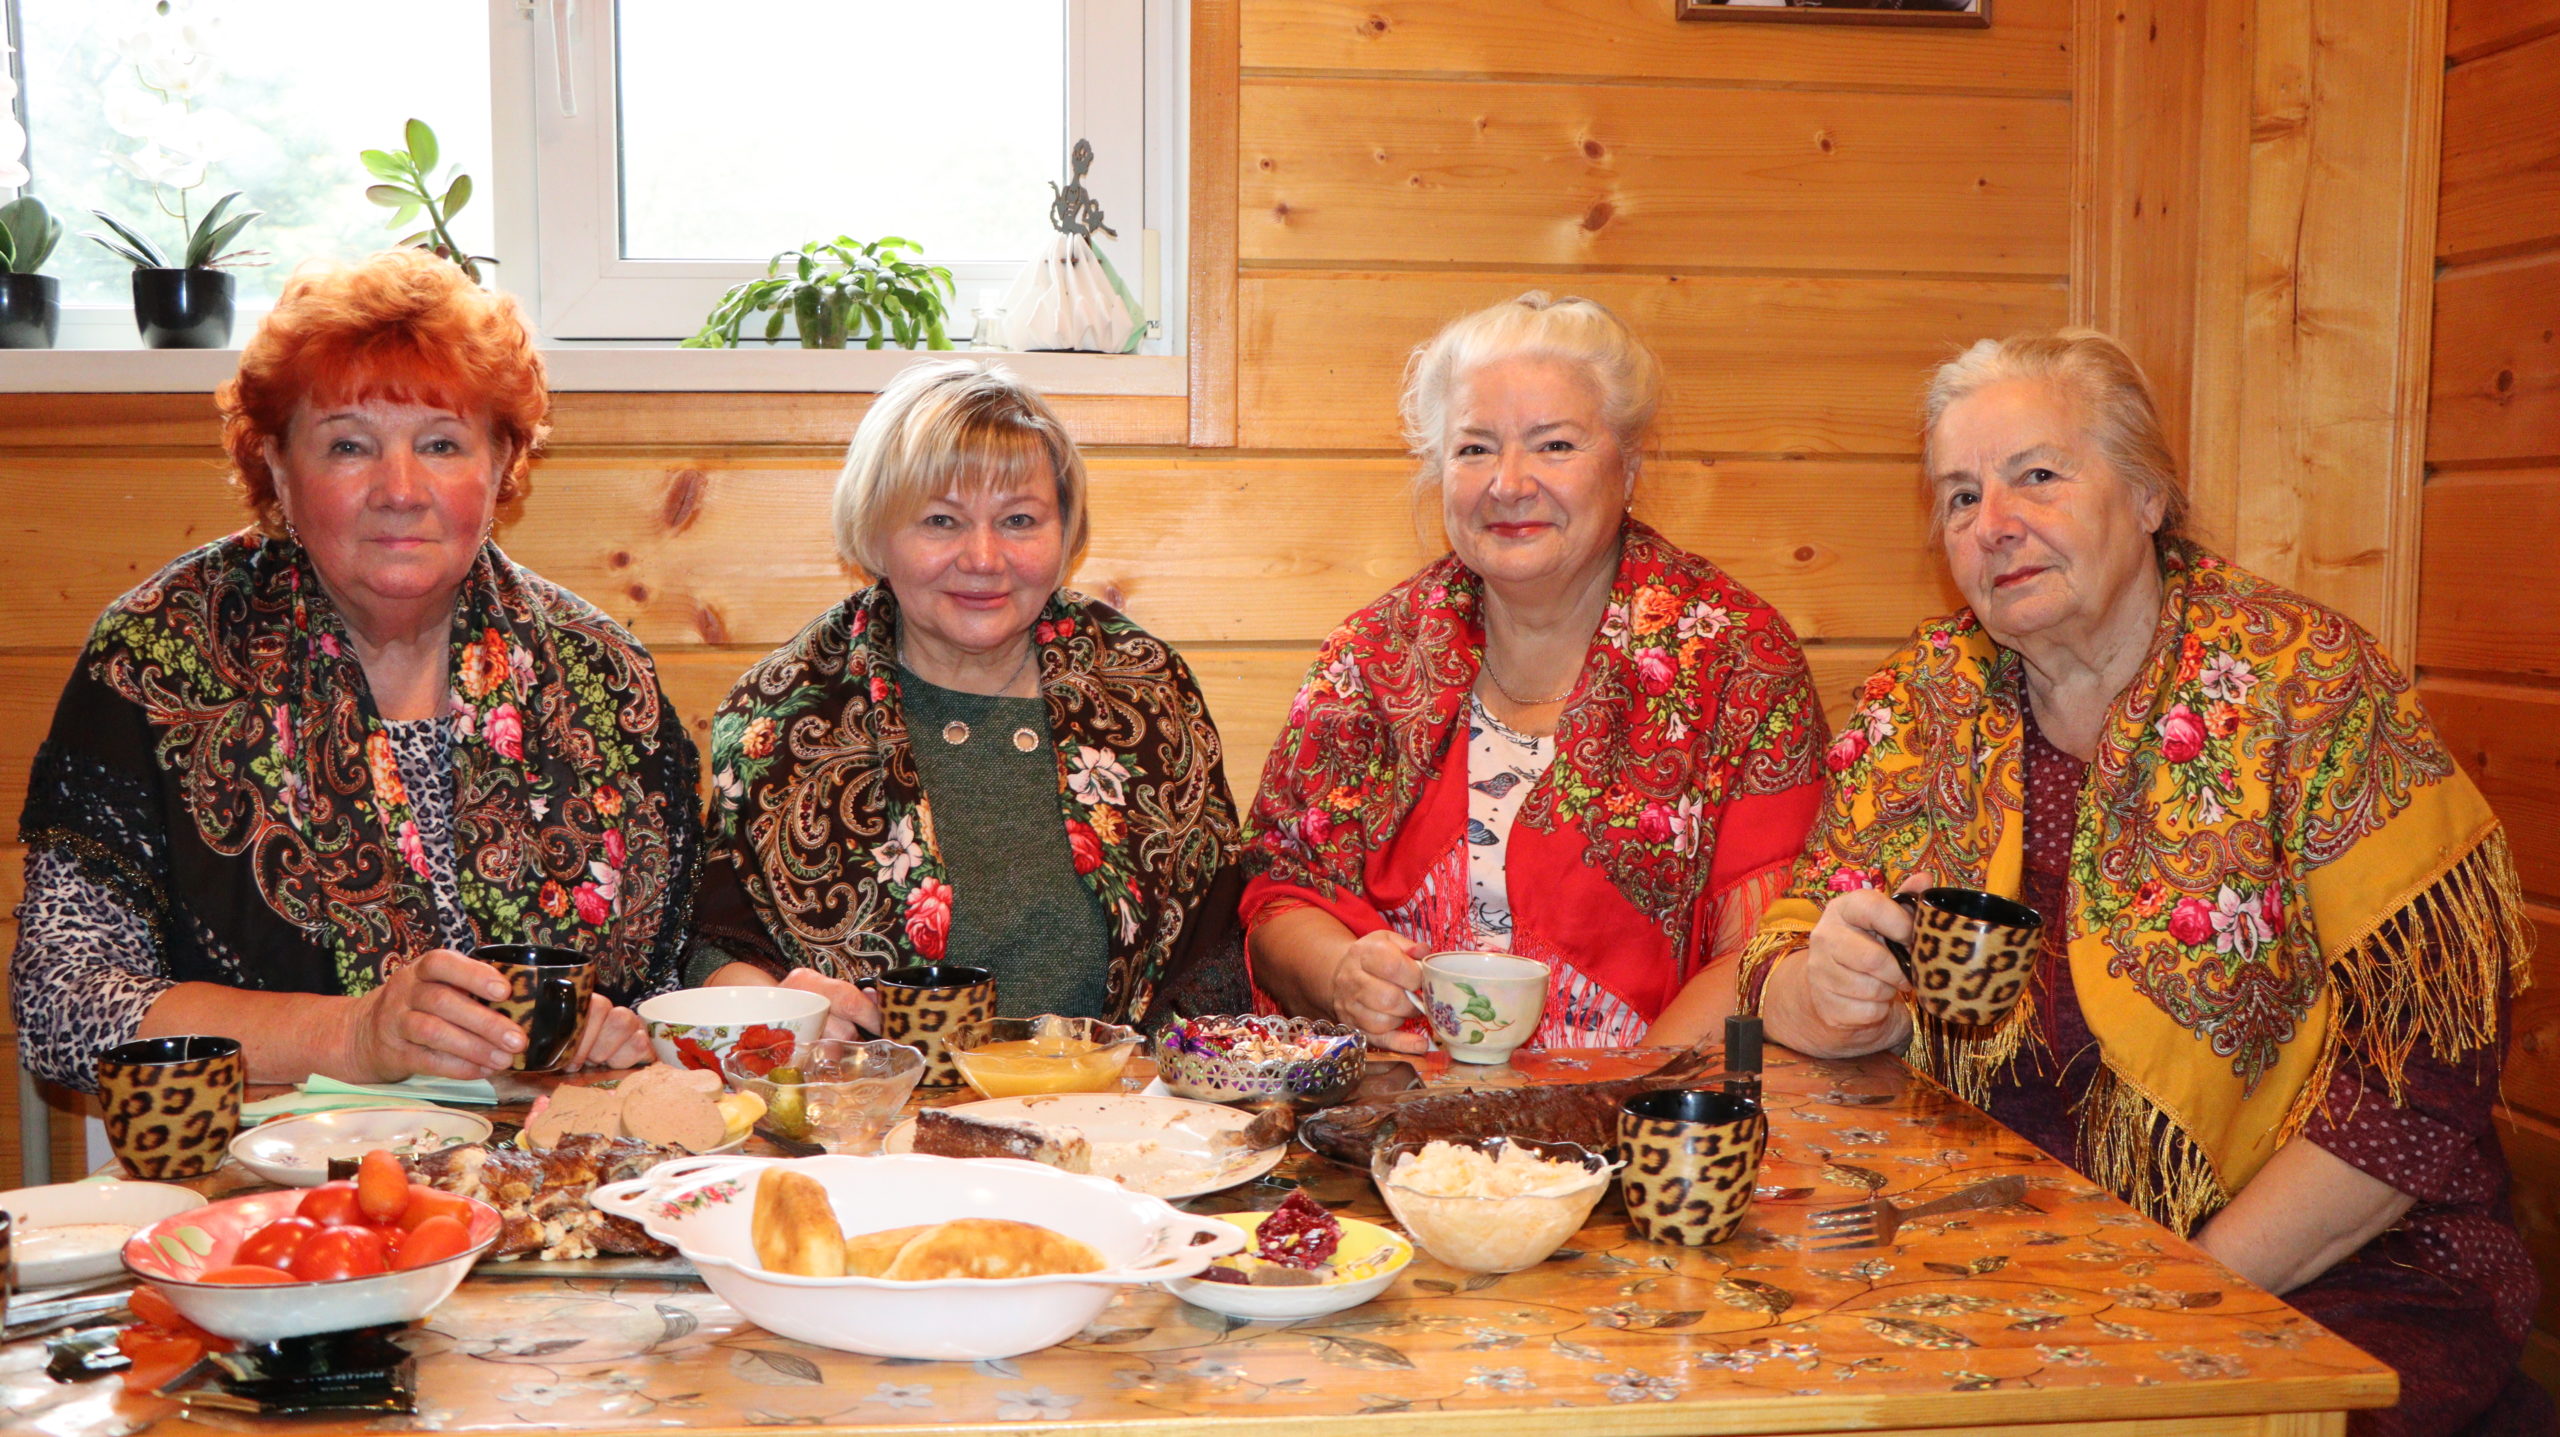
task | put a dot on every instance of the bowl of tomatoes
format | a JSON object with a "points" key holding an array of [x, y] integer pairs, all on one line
{"points": [[304, 1260]]}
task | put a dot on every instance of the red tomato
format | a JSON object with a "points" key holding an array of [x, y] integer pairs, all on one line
{"points": [[275, 1244], [432, 1241], [331, 1205], [340, 1252], [382, 1186], [157, 1356], [247, 1274], [426, 1202], [152, 1307]]}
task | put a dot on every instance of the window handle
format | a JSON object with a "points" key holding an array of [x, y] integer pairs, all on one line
{"points": [[564, 24]]}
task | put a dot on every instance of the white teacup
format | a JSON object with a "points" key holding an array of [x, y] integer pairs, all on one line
{"points": [[1482, 1005]]}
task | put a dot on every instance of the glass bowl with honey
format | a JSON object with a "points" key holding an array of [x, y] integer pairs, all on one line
{"points": [[1021, 1057]]}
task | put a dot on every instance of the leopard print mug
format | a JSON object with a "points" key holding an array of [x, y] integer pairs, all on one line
{"points": [[1971, 952], [923, 1005], [172, 1105], [547, 992], [1693, 1156]]}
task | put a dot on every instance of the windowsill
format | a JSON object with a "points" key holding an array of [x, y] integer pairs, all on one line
{"points": [[576, 369]]}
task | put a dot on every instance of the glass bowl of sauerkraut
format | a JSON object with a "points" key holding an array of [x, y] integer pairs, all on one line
{"points": [[1491, 1204]]}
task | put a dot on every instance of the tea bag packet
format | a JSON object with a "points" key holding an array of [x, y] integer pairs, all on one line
{"points": [[1069, 296]]}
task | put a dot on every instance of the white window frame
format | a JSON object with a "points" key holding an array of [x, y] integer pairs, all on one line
{"points": [[558, 206]]}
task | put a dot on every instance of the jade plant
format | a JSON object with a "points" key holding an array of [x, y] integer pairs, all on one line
{"points": [[838, 291], [409, 188]]}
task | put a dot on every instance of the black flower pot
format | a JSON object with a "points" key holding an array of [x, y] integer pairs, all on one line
{"points": [[30, 311], [183, 308]]}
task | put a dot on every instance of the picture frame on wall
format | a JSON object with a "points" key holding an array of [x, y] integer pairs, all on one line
{"points": [[1970, 14]]}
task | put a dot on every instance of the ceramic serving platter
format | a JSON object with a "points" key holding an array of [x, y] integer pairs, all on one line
{"points": [[295, 1152], [74, 1232], [1161, 1147]]}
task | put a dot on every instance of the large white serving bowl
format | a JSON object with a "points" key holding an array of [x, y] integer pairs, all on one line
{"points": [[705, 1208], [174, 1253]]}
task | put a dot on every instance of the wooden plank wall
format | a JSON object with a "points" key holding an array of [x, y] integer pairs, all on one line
{"points": [[1802, 219], [2488, 621]]}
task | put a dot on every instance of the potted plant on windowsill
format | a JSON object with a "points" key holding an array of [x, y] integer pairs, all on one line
{"points": [[30, 303], [188, 305], [838, 291]]}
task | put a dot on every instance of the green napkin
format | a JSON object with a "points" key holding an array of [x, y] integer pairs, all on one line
{"points": [[321, 1094]]}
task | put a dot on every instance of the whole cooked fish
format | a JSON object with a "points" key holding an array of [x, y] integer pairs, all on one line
{"points": [[1585, 1113]]}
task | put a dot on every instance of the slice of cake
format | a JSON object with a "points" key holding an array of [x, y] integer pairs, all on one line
{"points": [[945, 1134]]}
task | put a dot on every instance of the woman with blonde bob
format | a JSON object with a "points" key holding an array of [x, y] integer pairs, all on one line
{"points": [[1569, 739], [964, 762], [2281, 928]]}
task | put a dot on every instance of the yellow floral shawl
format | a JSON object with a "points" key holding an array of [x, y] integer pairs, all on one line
{"points": [[2275, 862]]}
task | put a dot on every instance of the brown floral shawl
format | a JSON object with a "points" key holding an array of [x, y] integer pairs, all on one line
{"points": [[818, 808]]}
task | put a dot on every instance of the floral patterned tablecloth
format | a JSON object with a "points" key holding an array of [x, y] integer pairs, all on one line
{"points": [[2071, 1306]]}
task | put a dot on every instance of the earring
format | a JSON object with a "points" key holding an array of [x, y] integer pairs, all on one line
{"points": [[290, 532]]}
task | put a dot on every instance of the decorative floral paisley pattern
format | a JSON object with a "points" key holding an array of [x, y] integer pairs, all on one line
{"points": [[818, 805], [259, 723], [1694, 695], [2275, 856]]}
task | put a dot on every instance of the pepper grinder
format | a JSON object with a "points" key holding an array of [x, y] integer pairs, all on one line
{"points": [[1742, 1057]]}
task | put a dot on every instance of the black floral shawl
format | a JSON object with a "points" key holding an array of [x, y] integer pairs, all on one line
{"points": [[217, 760]]}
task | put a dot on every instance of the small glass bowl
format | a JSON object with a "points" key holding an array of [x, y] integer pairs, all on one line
{"points": [[845, 1096], [1254, 1058], [1494, 1234], [1023, 1057]]}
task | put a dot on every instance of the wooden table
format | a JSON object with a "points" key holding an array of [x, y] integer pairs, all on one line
{"points": [[2080, 1311]]}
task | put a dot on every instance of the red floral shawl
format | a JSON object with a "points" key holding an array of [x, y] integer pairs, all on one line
{"points": [[1687, 764]]}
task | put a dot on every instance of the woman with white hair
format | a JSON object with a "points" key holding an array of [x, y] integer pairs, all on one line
{"points": [[1569, 739], [964, 762], [2281, 927]]}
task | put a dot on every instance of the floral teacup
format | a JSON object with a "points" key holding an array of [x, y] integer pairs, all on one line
{"points": [[1482, 1005]]}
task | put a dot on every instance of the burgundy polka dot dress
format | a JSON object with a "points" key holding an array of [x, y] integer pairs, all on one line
{"points": [[2445, 1297]]}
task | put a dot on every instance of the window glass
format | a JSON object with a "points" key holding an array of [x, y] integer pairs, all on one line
{"points": [[128, 101], [771, 127]]}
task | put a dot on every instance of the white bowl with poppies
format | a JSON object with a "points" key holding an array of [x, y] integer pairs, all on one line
{"points": [[763, 1027]]}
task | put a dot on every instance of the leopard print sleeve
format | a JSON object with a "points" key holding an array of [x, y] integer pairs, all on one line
{"points": [[85, 971]]}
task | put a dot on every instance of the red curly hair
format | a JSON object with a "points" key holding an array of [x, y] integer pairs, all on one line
{"points": [[401, 326]]}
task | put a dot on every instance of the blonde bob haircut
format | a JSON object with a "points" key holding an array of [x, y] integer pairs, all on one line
{"points": [[951, 427], [1577, 332], [2105, 384]]}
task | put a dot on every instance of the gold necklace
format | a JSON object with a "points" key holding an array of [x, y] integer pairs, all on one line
{"points": [[1505, 689]]}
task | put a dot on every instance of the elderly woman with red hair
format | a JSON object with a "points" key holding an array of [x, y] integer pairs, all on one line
{"points": [[301, 772]]}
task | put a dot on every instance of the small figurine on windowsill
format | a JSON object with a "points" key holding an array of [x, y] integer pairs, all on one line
{"points": [[1069, 297]]}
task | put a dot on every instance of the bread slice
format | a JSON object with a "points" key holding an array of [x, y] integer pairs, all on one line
{"points": [[795, 1227], [946, 1134]]}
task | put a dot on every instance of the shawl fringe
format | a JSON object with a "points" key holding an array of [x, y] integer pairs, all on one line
{"points": [[2130, 1146], [1967, 1060], [2434, 971]]}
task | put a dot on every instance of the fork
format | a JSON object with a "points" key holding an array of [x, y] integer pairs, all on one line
{"points": [[1873, 1223]]}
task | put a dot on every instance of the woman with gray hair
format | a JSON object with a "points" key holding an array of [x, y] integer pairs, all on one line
{"points": [[1569, 740], [963, 761], [2281, 928]]}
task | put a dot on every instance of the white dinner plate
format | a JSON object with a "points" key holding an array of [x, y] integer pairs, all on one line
{"points": [[295, 1152], [1162, 1147], [75, 1232]]}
